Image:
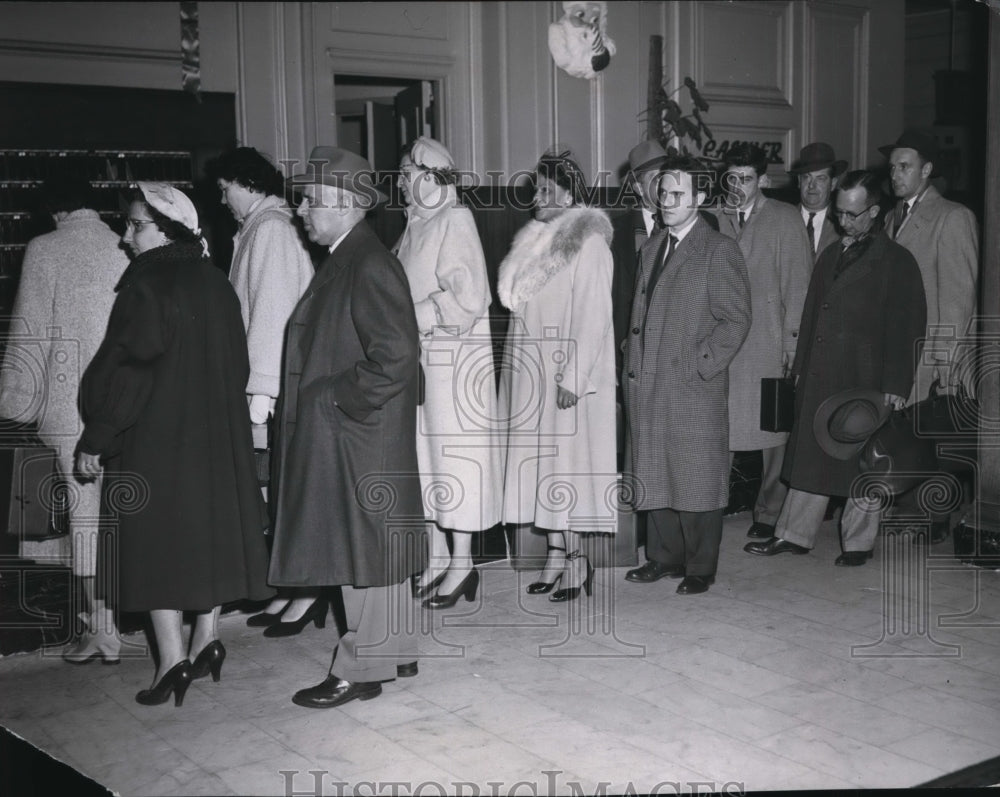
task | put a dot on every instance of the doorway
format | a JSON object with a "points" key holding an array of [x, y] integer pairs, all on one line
{"points": [[378, 116]]}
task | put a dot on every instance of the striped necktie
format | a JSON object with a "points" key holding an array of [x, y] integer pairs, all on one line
{"points": [[811, 229]]}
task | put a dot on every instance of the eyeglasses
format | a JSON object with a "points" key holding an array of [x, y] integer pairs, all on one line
{"points": [[137, 223], [840, 214]]}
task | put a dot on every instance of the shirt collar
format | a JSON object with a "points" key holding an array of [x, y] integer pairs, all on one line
{"points": [[337, 243], [681, 233]]}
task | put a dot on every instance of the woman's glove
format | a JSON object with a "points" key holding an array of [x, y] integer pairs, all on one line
{"points": [[260, 408]]}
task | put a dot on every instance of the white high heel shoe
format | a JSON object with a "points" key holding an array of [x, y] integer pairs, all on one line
{"points": [[99, 641]]}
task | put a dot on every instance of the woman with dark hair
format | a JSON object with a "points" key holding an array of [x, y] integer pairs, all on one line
{"points": [[271, 270], [164, 410], [457, 434], [558, 377]]}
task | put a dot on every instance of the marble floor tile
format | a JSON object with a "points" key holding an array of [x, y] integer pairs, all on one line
{"points": [[284, 774], [724, 672], [945, 750], [863, 765]]}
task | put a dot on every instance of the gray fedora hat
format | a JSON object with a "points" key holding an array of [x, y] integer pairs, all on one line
{"points": [[844, 422], [341, 169]]}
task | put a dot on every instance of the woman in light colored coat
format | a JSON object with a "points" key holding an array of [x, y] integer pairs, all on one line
{"points": [[271, 269], [558, 379], [458, 440], [63, 302]]}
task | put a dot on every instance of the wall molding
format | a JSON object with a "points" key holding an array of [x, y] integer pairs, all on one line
{"points": [[92, 52], [372, 62], [779, 95]]}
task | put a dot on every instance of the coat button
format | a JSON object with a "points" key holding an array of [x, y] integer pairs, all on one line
{"points": [[635, 330], [631, 374], [826, 305], [819, 338]]}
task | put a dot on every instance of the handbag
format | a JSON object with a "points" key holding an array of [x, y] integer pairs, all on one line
{"points": [[37, 496], [777, 403]]}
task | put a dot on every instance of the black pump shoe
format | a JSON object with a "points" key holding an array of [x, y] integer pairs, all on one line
{"points": [[175, 682], [209, 661], [541, 587], [467, 587], [422, 590], [266, 619], [314, 614], [572, 593]]}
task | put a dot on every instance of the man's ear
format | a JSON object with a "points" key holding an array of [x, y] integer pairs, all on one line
{"points": [[700, 197], [926, 169], [764, 181]]}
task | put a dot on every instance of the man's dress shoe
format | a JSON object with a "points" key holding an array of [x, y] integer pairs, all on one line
{"points": [[693, 585], [654, 571], [773, 547], [336, 691], [761, 531], [853, 558]]}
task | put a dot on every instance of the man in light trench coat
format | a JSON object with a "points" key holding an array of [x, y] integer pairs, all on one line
{"points": [[349, 510]]}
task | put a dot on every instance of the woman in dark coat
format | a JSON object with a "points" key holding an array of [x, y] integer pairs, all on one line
{"points": [[165, 411]]}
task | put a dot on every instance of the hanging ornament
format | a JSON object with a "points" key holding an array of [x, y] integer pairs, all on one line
{"points": [[579, 42]]}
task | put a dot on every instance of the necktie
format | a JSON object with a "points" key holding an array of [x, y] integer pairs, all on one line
{"points": [[812, 231], [742, 216], [904, 209], [659, 266]]}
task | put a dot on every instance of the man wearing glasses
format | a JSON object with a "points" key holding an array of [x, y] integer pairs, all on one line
{"points": [[863, 317]]}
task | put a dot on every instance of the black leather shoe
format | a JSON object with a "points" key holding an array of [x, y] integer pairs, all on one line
{"points": [[336, 691], [314, 614], [693, 585], [773, 547], [406, 670], [853, 558], [654, 571], [264, 619], [209, 661], [761, 531]]}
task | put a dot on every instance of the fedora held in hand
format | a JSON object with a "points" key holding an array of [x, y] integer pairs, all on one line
{"points": [[844, 422]]}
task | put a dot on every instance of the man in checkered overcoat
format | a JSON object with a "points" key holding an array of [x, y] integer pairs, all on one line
{"points": [[690, 315]]}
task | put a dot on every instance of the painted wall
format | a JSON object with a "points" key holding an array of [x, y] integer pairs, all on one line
{"points": [[780, 71]]}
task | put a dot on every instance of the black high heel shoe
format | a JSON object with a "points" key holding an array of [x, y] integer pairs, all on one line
{"points": [[541, 587], [175, 682], [467, 587], [421, 591], [314, 614], [266, 619], [572, 593], [209, 661]]}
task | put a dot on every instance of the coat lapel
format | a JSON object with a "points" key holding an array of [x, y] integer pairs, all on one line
{"points": [[861, 268]]}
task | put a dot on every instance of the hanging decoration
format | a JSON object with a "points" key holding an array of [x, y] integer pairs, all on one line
{"points": [[579, 40], [190, 50]]}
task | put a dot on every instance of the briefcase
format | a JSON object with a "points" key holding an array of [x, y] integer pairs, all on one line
{"points": [[777, 403]]}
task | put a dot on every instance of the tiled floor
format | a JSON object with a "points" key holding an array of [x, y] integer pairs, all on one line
{"points": [[789, 674]]}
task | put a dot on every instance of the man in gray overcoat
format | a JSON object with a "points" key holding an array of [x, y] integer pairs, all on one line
{"points": [[349, 509], [861, 327], [690, 315], [779, 261]]}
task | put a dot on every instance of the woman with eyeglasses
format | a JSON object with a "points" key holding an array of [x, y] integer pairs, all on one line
{"points": [[557, 387], [166, 420], [457, 430]]}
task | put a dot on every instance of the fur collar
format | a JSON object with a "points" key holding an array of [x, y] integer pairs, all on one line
{"points": [[543, 249]]}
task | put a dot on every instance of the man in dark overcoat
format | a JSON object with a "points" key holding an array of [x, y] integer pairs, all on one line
{"points": [[817, 171], [861, 329], [690, 315], [349, 509]]}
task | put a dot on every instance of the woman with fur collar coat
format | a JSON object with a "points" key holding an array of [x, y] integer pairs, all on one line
{"points": [[557, 388]]}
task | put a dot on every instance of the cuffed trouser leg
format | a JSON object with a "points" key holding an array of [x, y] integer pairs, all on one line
{"points": [[859, 524], [801, 516], [771, 496], [380, 633], [685, 539]]}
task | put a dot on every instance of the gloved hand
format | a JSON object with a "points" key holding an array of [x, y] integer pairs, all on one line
{"points": [[260, 408]]}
